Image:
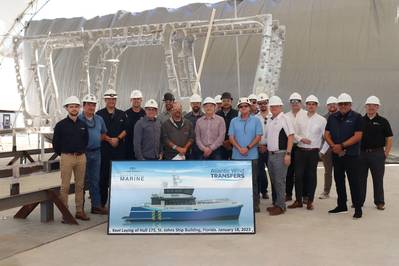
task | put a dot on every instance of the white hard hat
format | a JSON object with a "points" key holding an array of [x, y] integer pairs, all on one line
{"points": [[209, 100], [218, 98], [195, 98], [344, 98], [275, 101], [252, 97], [373, 100], [263, 97], [136, 94], [312, 98], [110, 94], [89, 98], [243, 100], [71, 100], [331, 100], [295, 96], [151, 103]]}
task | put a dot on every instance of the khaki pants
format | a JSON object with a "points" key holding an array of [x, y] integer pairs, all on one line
{"points": [[77, 164], [328, 168]]}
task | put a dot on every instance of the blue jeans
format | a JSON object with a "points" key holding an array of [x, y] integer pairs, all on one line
{"points": [[93, 165]]}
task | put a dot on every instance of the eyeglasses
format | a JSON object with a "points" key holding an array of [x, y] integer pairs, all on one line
{"points": [[253, 101], [263, 103]]}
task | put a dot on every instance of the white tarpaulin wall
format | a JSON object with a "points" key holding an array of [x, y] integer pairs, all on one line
{"points": [[331, 47]]}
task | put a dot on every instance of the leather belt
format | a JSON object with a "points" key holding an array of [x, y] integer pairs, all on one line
{"points": [[373, 150], [277, 152], [74, 153], [308, 149]]}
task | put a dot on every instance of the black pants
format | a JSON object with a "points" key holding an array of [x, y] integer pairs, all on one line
{"points": [[255, 190], [262, 176], [290, 178], [108, 154], [306, 173], [226, 154], [348, 165], [375, 162]]}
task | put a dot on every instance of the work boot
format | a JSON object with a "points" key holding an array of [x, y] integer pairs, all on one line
{"points": [[380, 207], [99, 210], [276, 211], [270, 208], [310, 206], [296, 204], [265, 196], [82, 216]]}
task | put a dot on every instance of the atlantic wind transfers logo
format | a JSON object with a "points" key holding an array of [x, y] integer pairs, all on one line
{"points": [[131, 175], [227, 174]]}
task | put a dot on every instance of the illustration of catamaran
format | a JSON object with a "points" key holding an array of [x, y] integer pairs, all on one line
{"points": [[177, 203]]}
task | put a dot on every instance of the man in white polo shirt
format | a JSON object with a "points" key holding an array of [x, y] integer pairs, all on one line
{"points": [[310, 131], [280, 138]]}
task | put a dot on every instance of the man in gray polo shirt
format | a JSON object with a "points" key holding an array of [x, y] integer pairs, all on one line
{"points": [[177, 134], [147, 134]]}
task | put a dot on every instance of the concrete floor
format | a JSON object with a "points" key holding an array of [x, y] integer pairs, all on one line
{"points": [[299, 237]]}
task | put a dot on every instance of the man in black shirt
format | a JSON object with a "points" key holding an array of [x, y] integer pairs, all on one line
{"points": [[133, 115], [113, 146], [343, 134], [377, 135], [70, 140], [195, 101], [228, 113]]}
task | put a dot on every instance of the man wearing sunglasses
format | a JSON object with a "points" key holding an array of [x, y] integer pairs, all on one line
{"points": [[343, 134], [263, 115], [228, 113], [245, 132], [254, 100]]}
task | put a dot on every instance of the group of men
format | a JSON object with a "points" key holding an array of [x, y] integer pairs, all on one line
{"points": [[288, 145]]}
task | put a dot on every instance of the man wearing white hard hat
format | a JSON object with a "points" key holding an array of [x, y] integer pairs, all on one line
{"points": [[296, 113], [326, 152], [310, 135], [193, 116], [97, 132], [177, 134], [210, 131], [263, 115], [70, 140], [218, 101], [254, 107], [280, 139], [375, 148], [147, 134], [112, 147], [134, 113], [343, 134], [245, 132]]}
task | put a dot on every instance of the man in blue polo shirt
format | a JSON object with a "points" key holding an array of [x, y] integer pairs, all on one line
{"points": [[343, 134], [97, 132], [245, 132]]}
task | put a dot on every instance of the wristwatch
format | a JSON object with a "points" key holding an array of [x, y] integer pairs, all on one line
{"points": [[248, 147], [288, 153]]}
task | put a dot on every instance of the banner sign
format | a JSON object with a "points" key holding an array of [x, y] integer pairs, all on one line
{"points": [[181, 197]]}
